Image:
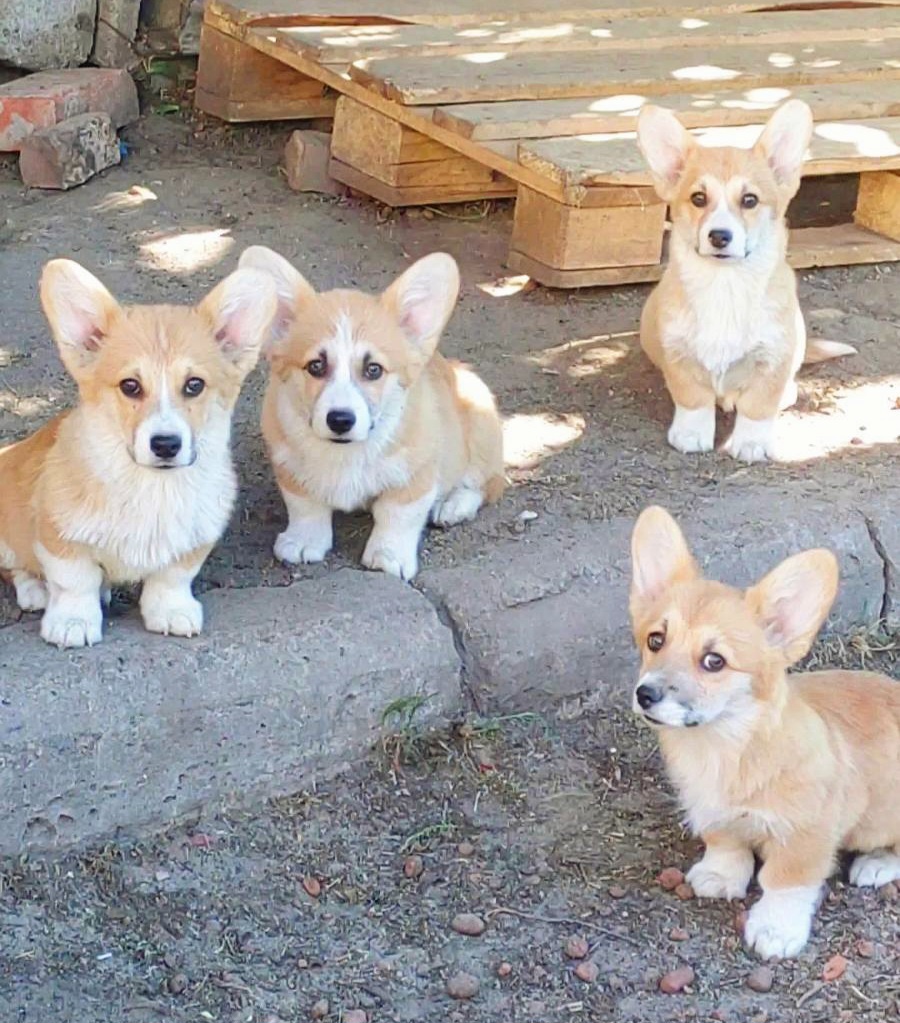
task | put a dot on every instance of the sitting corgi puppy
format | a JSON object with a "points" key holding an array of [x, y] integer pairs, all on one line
{"points": [[361, 411], [724, 323], [135, 483], [790, 768]]}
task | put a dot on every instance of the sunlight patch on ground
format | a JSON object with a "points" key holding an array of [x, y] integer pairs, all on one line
{"points": [[528, 439], [190, 250]]}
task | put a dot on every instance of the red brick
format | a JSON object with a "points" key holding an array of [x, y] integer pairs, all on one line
{"points": [[43, 99], [70, 152]]}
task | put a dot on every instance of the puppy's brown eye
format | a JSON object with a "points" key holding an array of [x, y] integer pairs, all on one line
{"points": [[712, 662], [131, 388], [373, 371], [193, 386], [317, 367], [749, 200], [699, 199], [656, 641]]}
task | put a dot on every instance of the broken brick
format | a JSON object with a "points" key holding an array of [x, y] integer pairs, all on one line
{"points": [[70, 152]]}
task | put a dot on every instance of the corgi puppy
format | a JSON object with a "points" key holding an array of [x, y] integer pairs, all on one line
{"points": [[362, 412], [136, 483], [724, 323], [787, 768]]}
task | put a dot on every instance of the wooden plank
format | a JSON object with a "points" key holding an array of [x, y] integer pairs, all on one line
{"points": [[372, 141], [837, 147], [843, 245], [331, 44], [237, 83], [439, 80], [878, 204], [468, 12], [428, 195], [519, 119]]}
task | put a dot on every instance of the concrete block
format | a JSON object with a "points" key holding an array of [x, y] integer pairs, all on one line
{"points": [[42, 100], [117, 22], [173, 26], [42, 34], [306, 158], [69, 153], [286, 685]]}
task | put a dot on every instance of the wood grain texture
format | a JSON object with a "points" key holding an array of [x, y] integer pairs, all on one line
{"points": [[421, 195], [878, 204]]}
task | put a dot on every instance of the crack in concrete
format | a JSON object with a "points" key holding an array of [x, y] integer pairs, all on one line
{"points": [[887, 568], [469, 669]]}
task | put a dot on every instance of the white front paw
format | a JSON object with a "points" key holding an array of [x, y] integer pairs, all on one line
{"points": [[779, 924], [73, 623], [723, 875], [31, 592], [875, 869], [304, 542], [751, 440], [693, 430], [460, 505], [394, 555], [173, 613]]}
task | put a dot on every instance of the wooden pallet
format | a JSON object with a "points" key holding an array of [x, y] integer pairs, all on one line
{"points": [[450, 100]]}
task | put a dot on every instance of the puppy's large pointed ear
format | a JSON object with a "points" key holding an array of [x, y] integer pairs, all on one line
{"points": [[79, 309], [793, 600], [423, 298], [784, 142], [666, 146], [659, 556], [241, 310], [291, 287]]}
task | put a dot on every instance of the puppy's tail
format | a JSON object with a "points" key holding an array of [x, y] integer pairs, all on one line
{"points": [[819, 350]]}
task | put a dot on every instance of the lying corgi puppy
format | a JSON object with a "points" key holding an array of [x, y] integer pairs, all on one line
{"points": [[361, 411], [135, 483], [789, 768], [724, 323]]}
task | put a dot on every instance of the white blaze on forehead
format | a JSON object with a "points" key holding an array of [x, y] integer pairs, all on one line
{"points": [[342, 390]]}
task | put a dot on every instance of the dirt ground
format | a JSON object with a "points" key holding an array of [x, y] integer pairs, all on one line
{"points": [[569, 817]]}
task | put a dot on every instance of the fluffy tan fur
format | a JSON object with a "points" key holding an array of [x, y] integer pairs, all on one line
{"points": [[790, 768]]}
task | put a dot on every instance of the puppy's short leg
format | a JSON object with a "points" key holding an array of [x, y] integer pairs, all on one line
{"points": [[752, 439], [31, 592], [725, 870], [791, 879], [73, 617], [309, 535], [872, 870], [167, 603], [460, 505], [400, 518], [693, 426]]}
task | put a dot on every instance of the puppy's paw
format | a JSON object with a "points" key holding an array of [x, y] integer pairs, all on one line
{"points": [[872, 870], [779, 924], [31, 592], [73, 624], [722, 875], [396, 557], [460, 505], [751, 440], [693, 430], [304, 543], [172, 613]]}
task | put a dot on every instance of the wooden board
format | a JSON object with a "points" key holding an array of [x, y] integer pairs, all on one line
{"points": [[837, 147], [878, 204], [467, 12], [412, 195], [533, 119], [439, 80], [331, 44], [843, 245]]}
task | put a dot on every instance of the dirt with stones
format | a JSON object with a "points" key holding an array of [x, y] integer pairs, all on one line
{"points": [[268, 916]]}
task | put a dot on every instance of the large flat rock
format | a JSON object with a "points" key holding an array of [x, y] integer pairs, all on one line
{"points": [[40, 35]]}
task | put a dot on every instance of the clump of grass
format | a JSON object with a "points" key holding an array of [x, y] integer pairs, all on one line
{"points": [[404, 733]]}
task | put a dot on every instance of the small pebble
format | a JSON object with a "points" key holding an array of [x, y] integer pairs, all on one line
{"points": [[834, 968], [355, 1016], [888, 892], [462, 986], [684, 892], [617, 892], [675, 982], [177, 983], [320, 1009], [670, 878], [504, 969], [678, 934], [465, 849], [469, 924], [760, 980], [577, 948], [865, 948], [312, 887], [587, 971], [527, 515], [413, 866]]}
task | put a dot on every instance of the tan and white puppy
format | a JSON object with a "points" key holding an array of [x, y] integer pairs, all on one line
{"points": [[791, 769], [136, 483], [724, 324], [362, 412]]}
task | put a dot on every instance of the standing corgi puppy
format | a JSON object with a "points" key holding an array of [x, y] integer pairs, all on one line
{"points": [[724, 323], [136, 483], [790, 768], [361, 411]]}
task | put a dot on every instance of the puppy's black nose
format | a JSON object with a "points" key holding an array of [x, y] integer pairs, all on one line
{"points": [[648, 695], [165, 445], [340, 420], [719, 239]]}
